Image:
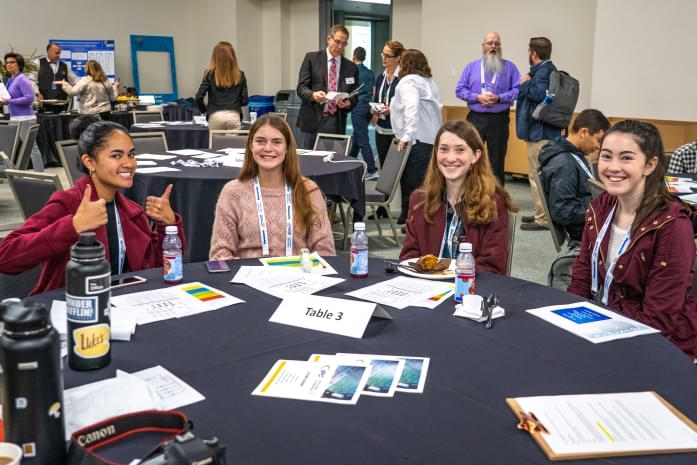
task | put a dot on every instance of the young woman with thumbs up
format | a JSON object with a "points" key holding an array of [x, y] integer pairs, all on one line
{"points": [[93, 204]]}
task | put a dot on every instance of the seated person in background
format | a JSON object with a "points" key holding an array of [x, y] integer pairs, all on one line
{"points": [[95, 91], [460, 198], [684, 159], [564, 171], [270, 210], [93, 204], [638, 239], [131, 92]]}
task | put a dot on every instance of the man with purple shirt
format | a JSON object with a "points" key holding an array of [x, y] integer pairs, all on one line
{"points": [[489, 85]]}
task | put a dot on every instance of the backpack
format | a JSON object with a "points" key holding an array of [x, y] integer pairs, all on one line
{"points": [[559, 276], [558, 106]]}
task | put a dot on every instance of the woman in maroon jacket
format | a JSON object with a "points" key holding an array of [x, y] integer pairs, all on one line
{"points": [[638, 251], [93, 204], [461, 192]]}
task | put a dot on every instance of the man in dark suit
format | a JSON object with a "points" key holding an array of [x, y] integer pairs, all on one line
{"points": [[322, 72]]}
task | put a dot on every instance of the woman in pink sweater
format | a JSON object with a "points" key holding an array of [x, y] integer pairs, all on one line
{"points": [[271, 210]]}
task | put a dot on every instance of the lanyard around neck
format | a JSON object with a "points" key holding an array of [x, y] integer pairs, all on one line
{"points": [[385, 98], [583, 166], [121, 241], [611, 266], [481, 72], [449, 232], [263, 231]]}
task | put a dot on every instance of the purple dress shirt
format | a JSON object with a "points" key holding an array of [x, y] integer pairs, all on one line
{"points": [[22, 95], [506, 86]]}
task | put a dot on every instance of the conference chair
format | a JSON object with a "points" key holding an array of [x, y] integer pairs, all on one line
{"points": [[141, 117], [386, 188], [32, 190], [280, 114], [338, 143], [9, 139], [666, 160], [149, 142], [227, 139], [558, 233], [512, 222], [69, 155], [18, 285], [24, 156]]}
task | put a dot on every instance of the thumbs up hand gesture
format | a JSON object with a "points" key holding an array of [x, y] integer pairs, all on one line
{"points": [[158, 208], [90, 215]]}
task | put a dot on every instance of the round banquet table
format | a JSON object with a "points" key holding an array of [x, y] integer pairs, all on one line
{"points": [[180, 136], [195, 193], [461, 417], [54, 127]]}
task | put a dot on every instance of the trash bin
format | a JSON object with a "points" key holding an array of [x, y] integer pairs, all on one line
{"points": [[261, 104], [288, 102]]}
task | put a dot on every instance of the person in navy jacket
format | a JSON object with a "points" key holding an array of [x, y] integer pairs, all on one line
{"points": [[93, 204]]}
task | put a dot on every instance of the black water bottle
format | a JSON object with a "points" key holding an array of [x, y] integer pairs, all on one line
{"points": [[32, 383], [87, 294]]}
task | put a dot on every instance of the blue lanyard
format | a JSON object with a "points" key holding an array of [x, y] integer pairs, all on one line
{"points": [[611, 267], [263, 232], [449, 232], [583, 166]]}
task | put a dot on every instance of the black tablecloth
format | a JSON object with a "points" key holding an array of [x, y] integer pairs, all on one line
{"points": [[56, 127], [183, 136], [196, 190], [461, 417]]}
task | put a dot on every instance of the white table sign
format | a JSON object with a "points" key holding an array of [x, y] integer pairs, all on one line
{"points": [[336, 316]]}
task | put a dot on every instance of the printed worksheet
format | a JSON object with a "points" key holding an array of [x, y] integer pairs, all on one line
{"points": [[403, 292], [279, 282]]}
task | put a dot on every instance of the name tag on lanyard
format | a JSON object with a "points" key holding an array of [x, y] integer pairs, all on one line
{"points": [[609, 275], [449, 233], [263, 231], [121, 241]]}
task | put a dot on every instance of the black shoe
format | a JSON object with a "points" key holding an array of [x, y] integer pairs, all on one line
{"points": [[402, 220], [527, 219], [404, 229], [534, 227]]}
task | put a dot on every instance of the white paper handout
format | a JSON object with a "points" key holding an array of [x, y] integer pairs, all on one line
{"points": [[172, 391], [612, 424], [186, 152], [292, 263], [174, 302], [206, 156], [323, 382], [327, 314], [4, 93], [403, 292], [154, 156], [146, 163], [591, 322], [156, 169], [320, 153], [384, 375], [279, 282]]}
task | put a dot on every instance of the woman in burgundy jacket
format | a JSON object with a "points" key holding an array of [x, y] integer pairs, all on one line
{"points": [[639, 239], [93, 204], [459, 198]]}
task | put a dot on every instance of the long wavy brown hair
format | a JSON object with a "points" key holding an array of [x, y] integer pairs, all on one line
{"points": [[303, 213], [224, 67], [647, 137], [94, 69], [413, 61], [477, 202]]}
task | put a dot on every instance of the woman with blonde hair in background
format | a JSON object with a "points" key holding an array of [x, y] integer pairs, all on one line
{"points": [[226, 87], [270, 209], [95, 91]]}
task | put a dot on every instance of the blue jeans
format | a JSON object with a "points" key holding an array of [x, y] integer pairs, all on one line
{"points": [[360, 118]]}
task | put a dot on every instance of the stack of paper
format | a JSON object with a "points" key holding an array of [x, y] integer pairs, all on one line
{"points": [[684, 187], [343, 378], [174, 302], [279, 282], [403, 292]]}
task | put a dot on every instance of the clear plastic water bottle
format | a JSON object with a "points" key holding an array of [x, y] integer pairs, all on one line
{"points": [[464, 272], [359, 251], [173, 270]]}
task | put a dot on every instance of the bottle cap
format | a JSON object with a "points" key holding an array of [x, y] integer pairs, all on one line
{"points": [[465, 247], [87, 248], [170, 230], [20, 318], [359, 226]]}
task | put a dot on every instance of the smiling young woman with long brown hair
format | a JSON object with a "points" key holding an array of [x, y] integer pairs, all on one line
{"points": [[271, 209], [459, 200]]}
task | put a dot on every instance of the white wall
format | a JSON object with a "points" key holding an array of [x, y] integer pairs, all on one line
{"points": [[452, 33], [644, 61], [407, 23]]}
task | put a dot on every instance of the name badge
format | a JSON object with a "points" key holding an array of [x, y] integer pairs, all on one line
{"points": [[337, 316], [350, 80]]}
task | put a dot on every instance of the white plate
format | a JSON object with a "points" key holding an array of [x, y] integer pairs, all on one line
{"points": [[446, 274]]}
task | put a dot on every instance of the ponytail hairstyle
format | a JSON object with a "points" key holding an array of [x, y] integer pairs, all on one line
{"points": [[303, 213], [92, 134], [647, 137]]}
